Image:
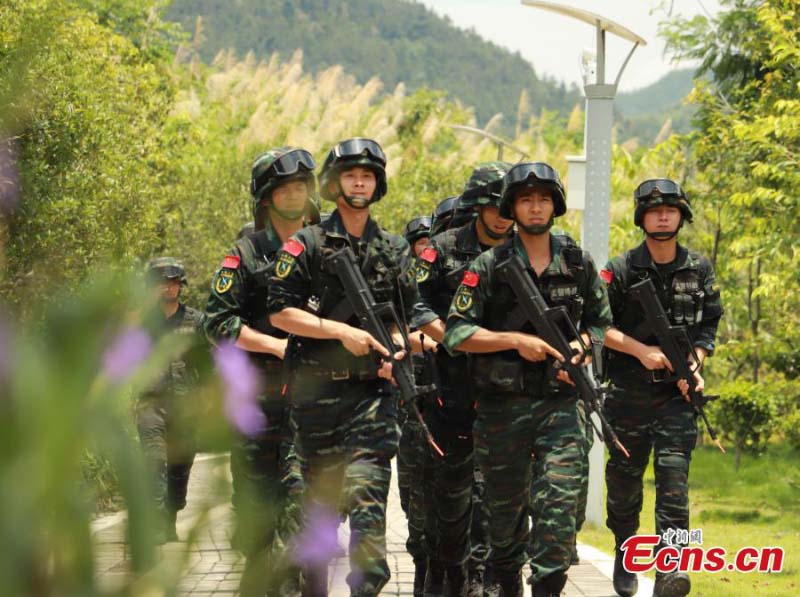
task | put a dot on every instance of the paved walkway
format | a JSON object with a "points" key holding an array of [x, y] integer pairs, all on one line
{"points": [[212, 568]]}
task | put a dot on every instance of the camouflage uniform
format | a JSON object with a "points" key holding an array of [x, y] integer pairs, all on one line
{"points": [[450, 416], [163, 416], [653, 415], [413, 480], [266, 475], [345, 417], [522, 409]]}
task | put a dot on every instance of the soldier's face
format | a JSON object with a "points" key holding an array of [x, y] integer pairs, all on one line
{"points": [[664, 218], [358, 182], [533, 207], [290, 197], [490, 216], [168, 289], [420, 244]]}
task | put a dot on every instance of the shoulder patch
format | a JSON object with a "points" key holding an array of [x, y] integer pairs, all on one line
{"points": [[294, 247], [231, 262], [606, 275], [470, 279], [429, 254]]}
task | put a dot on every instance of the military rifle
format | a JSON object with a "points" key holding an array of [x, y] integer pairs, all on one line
{"points": [[545, 321], [674, 343], [372, 315]]}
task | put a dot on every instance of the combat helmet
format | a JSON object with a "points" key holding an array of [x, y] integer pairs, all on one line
{"points": [[349, 154]]}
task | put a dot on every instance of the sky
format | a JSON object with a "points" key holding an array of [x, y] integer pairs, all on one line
{"points": [[553, 43]]}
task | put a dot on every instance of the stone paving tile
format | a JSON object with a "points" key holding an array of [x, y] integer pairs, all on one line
{"points": [[214, 569]]}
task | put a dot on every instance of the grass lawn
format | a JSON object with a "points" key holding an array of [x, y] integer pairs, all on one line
{"points": [[757, 506]]}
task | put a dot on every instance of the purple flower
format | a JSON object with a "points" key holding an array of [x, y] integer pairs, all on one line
{"points": [[9, 177], [242, 386], [128, 350], [317, 543]]}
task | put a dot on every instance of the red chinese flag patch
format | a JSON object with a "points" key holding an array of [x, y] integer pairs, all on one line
{"points": [[294, 247], [471, 279], [606, 276], [231, 262], [429, 254]]}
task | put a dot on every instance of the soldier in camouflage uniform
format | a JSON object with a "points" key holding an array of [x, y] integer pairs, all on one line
{"points": [[443, 215], [343, 409], [266, 477], [439, 272], [523, 406], [648, 414], [412, 482], [165, 431]]}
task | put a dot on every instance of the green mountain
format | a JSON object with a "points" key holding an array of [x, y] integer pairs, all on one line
{"points": [[643, 112], [398, 40]]}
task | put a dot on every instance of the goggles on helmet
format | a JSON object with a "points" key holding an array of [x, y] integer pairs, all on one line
{"points": [[417, 225], [289, 163], [538, 171], [353, 148], [656, 187]]}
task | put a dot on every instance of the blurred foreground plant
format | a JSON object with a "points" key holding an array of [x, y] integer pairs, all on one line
{"points": [[67, 388]]}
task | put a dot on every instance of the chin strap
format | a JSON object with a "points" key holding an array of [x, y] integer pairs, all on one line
{"points": [[662, 236], [357, 202], [290, 215], [489, 232], [538, 228]]}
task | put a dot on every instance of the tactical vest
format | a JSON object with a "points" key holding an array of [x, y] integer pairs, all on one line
{"points": [[176, 380], [455, 258], [258, 260], [507, 370], [328, 299], [681, 293]]}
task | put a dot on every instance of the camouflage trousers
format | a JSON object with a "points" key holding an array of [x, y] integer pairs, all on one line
{"points": [[448, 527], [346, 435], [588, 431], [267, 493], [479, 526], [414, 486], [169, 446], [668, 427], [539, 484], [507, 429]]}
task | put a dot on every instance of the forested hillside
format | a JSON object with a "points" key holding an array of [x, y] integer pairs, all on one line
{"points": [[652, 113], [397, 40]]}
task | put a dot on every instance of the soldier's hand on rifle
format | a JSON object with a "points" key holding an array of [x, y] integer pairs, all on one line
{"points": [[652, 358], [534, 349], [280, 348], [700, 385], [385, 371], [579, 355], [359, 343]]}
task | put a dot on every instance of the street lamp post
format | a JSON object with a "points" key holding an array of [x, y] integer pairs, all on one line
{"points": [[498, 141], [597, 181]]}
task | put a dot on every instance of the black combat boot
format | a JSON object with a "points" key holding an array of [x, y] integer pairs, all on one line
{"points": [[420, 570], [456, 581], [475, 583], [549, 586], [625, 583], [672, 584], [434, 579], [511, 587]]}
